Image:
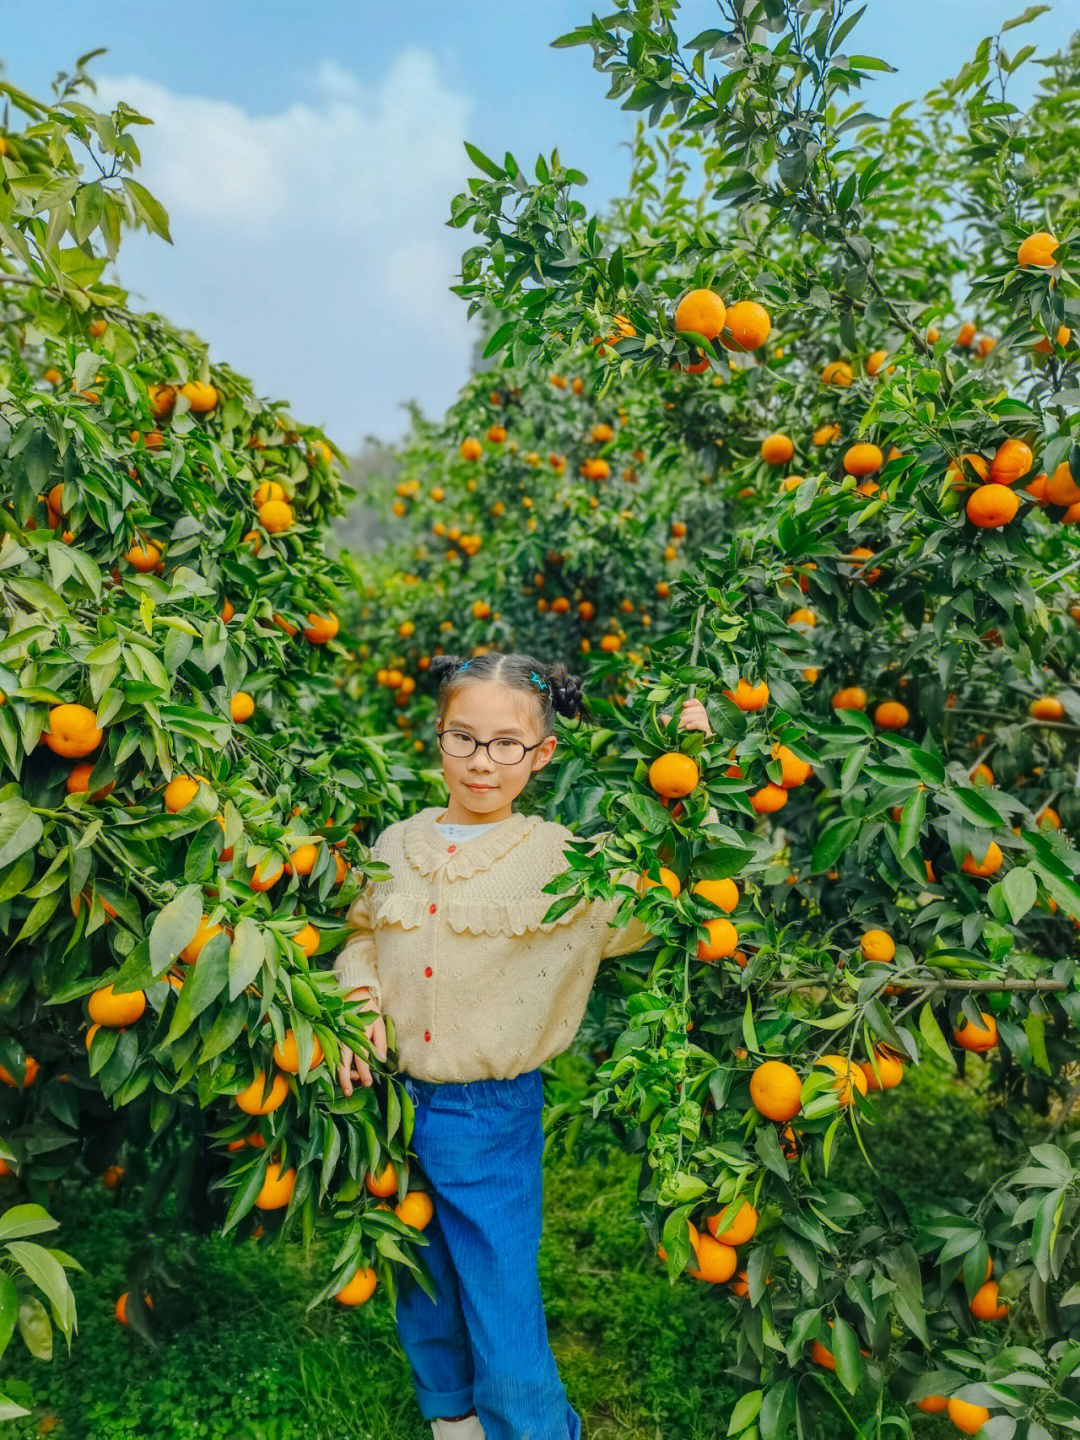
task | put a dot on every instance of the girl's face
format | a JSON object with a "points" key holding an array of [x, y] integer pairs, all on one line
{"points": [[481, 787]]}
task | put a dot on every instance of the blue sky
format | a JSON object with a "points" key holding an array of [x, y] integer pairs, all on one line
{"points": [[307, 155]]}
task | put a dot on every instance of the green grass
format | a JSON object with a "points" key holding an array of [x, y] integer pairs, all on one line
{"points": [[641, 1360]]}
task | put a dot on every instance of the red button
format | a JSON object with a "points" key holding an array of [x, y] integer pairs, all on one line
{"points": [[427, 1034], [432, 909], [450, 849], [428, 970]]}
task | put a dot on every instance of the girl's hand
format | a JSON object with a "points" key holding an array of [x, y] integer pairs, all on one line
{"points": [[693, 716], [354, 1066]]}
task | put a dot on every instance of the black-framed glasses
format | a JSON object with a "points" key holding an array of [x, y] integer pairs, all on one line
{"points": [[502, 749]]}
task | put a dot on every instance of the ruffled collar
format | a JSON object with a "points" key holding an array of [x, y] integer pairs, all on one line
{"points": [[428, 851]]}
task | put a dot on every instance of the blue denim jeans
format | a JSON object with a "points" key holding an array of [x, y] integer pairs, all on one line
{"points": [[485, 1342]]}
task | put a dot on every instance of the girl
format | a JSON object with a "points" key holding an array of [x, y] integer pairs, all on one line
{"points": [[482, 993]]}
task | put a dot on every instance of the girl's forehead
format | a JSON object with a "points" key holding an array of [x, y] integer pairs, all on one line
{"points": [[481, 702]]}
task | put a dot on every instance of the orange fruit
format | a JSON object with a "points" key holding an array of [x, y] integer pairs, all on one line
{"points": [[825, 434], [1037, 249], [1012, 460], [277, 1188], [931, 1404], [955, 470], [251, 1100], [286, 1056], [701, 311], [241, 706], [837, 372], [852, 697], [878, 946], [120, 1308], [889, 1068], [275, 516], [383, 1184], [601, 434], [193, 949], [227, 611], [984, 1303], [30, 1070], [267, 873], [989, 865], [1044, 346], [851, 1078], [863, 459], [777, 449], [991, 506], [668, 879], [724, 893], [749, 697], [716, 1262], [78, 781], [862, 554], [321, 628], [769, 799], [875, 360], [821, 1356], [1046, 707], [776, 1091], [116, 1011], [416, 1209], [723, 940], [73, 731], [967, 1417], [966, 335], [595, 468], [673, 775], [732, 1228], [308, 939], [179, 792], [268, 490], [497, 434], [1061, 488], [891, 715], [794, 772], [162, 399], [747, 324], [802, 617], [977, 1037], [360, 1288], [200, 396]]}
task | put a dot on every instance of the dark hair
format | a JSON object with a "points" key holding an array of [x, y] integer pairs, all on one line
{"points": [[552, 687]]}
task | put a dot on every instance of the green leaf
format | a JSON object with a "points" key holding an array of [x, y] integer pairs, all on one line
{"points": [[174, 926], [845, 1349], [833, 841], [931, 1033], [487, 166], [1021, 890], [1035, 1030], [20, 830], [745, 1411], [911, 821]]}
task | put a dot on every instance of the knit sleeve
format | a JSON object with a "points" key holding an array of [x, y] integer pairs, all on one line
{"points": [[356, 961]]}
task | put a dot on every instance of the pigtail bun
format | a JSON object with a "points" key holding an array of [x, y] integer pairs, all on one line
{"points": [[443, 665], [566, 692]]}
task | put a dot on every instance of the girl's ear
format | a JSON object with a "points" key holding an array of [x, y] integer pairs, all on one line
{"points": [[545, 752]]}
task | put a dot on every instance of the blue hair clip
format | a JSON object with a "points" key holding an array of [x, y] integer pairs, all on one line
{"points": [[536, 678], [465, 664]]}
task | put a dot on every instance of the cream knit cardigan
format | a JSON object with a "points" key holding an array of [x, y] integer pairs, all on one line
{"points": [[452, 947]]}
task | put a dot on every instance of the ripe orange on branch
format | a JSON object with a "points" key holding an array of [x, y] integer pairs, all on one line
{"points": [[777, 449], [776, 1091], [746, 327], [673, 775], [970, 1036], [702, 312], [749, 697], [1038, 249], [1012, 461], [73, 731], [863, 459]]}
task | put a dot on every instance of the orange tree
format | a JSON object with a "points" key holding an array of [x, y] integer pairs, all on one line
{"points": [[885, 638], [185, 788]]}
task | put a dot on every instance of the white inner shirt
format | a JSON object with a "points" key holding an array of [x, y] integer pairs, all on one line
{"points": [[458, 833]]}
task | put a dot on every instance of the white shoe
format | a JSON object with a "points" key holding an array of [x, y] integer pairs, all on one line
{"points": [[467, 1429]]}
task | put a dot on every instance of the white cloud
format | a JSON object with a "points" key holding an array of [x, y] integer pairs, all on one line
{"points": [[310, 244]]}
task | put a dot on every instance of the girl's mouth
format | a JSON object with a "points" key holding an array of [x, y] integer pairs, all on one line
{"points": [[478, 787]]}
